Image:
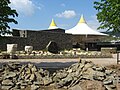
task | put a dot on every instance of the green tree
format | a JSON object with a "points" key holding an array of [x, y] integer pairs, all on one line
{"points": [[7, 16], [108, 14]]}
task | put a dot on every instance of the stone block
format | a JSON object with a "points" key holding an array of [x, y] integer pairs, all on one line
{"points": [[28, 49], [11, 48]]}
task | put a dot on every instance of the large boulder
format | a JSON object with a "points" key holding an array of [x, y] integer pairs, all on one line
{"points": [[52, 47], [91, 85]]}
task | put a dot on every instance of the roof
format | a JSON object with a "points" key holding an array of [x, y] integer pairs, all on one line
{"points": [[53, 25], [83, 29]]}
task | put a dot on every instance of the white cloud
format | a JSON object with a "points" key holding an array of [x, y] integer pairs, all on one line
{"points": [[39, 6], [63, 5], [23, 6], [66, 14]]}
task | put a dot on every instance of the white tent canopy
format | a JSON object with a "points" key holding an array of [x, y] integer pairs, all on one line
{"points": [[83, 29]]}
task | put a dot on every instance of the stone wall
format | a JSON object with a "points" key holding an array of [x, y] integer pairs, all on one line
{"points": [[41, 39], [37, 39], [12, 40]]}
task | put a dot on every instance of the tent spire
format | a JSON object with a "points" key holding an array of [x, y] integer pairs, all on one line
{"points": [[52, 25], [82, 20]]}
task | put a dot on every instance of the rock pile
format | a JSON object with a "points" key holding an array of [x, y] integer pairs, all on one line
{"points": [[84, 70], [14, 76]]}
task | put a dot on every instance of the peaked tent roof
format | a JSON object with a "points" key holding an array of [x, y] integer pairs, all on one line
{"points": [[53, 25], [83, 29]]}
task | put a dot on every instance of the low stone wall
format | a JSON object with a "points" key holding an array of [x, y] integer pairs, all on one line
{"points": [[109, 49]]}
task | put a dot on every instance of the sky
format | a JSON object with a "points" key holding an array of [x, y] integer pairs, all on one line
{"points": [[37, 14]]}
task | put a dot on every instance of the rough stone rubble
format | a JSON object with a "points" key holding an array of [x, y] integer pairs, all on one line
{"points": [[17, 76], [14, 76]]}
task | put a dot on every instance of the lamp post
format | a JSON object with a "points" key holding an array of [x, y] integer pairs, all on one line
{"points": [[86, 42]]}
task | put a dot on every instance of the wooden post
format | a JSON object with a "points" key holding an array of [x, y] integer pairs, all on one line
{"points": [[117, 57]]}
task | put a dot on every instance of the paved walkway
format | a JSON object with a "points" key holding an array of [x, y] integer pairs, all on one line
{"points": [[104, 61], [63, 62]]}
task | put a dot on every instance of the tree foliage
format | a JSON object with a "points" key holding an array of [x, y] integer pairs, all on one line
{"points": [[108, 14], [7, 16]]}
